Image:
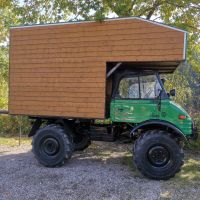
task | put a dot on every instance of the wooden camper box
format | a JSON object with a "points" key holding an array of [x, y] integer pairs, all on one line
{"points": [[60, 69]]}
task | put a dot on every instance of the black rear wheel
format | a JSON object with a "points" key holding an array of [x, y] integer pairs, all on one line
{"points": [[52, 146], [157, 155], [81, 141]]}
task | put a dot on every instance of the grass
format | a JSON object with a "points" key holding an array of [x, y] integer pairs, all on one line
{"points": [[190, 171], [128, 161], [13, 141], [195, 145]]}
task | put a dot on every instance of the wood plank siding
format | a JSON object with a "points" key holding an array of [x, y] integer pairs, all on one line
{"points": [[60, 69]]}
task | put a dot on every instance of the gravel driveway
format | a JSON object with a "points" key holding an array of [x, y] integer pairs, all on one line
{"points": [[103, 171]]}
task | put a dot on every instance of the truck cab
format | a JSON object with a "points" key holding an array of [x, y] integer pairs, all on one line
{"points": [[140, 97]]}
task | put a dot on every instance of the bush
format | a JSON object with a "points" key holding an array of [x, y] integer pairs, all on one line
{"points": [[196, 144], [10, 125]]}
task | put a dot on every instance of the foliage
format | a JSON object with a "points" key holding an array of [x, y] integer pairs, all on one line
{"points": [[186, 82], [10, 125], [195, 145], [7, 18], [181, 84], [39, 11], [3, 95], [3, 77]]}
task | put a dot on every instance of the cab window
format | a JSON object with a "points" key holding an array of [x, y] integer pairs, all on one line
{"points": [[149, 87], [129, 88]]}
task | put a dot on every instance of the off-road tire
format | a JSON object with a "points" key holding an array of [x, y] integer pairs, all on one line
{"points": [[81, 142], [143, 155], [52, 134]]}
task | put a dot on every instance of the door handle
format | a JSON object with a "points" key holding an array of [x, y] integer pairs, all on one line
{"points": [[120, 109]]}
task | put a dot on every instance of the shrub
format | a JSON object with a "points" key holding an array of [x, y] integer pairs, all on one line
{"points": [[196, 144], [10, 125]]}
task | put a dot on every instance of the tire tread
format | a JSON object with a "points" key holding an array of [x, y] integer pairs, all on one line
{"points": [[138, 148], [68, 146]]}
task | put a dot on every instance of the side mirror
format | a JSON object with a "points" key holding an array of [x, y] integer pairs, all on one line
{"points": [[172, 92]]}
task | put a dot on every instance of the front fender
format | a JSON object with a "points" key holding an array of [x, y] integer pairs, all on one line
{"points": [[158, 124]]}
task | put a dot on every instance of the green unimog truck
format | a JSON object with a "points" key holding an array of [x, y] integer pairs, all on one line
{"points": [[68, 77]]}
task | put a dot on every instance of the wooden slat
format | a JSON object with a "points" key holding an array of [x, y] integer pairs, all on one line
{"points": [[89, 27], [90, 88], [60, 106], [124, 42], [57, 80], [82, 87], [42, 69], [62, 66], [99, 38], [57, 75], [56, 102], [115, 58], [103, 54], [98, 48], [36, 93], [58, 109], [116, 32], [55, 113]]}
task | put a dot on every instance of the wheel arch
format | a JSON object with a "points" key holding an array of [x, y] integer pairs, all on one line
{"points": [[158, 124], [67, 124]]}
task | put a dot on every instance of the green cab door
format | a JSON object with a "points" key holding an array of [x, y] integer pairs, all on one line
{"points": [[136, 99]]}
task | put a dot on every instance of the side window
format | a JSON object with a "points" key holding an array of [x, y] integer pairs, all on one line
{"points": [[149, 87], [129, 88]]}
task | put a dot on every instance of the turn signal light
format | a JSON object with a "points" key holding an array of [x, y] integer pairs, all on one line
{"points": [[182, 117]]}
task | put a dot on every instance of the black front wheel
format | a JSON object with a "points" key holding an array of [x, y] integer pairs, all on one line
{"points": [[157, 155]]}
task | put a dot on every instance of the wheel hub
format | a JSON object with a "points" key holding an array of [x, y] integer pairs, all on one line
{"points": [[158, 156], [50, 146]]}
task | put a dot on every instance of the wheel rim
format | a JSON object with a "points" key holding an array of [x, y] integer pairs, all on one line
{"points": [[50, 146], [158, 156]]}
